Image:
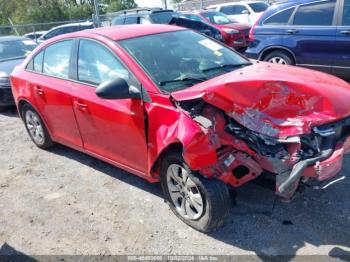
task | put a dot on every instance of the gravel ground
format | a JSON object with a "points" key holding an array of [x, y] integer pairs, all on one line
{"points": [[64, 202]]}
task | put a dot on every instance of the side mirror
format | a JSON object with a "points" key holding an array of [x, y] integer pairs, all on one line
{"points": [[117, 89], [245, 12]]}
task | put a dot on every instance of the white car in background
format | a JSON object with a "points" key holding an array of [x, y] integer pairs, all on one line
{"points": [[242, 12]]}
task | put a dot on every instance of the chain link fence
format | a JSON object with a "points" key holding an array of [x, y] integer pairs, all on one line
{"points": [[29, 28]]}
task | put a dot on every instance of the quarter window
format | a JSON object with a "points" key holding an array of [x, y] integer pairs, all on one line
{"points": [[280, 18], [98, 66], [56, 59], [319, 14], [38, 62], [346, 13]]}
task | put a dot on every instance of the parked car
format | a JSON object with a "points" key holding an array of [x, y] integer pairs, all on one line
{"points": [[160, 16], [35, 35], [234, 34], [176, 107], [65, 29], [242, 12], [308, 33], [13, 50]]}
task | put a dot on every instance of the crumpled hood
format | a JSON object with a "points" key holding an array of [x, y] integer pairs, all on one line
{"points": [[275, 100]]}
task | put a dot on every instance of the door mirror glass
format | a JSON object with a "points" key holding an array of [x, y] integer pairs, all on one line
{"points": [[117, 89], [245, 12]]}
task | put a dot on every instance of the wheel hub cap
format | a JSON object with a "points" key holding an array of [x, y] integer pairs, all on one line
{"points": [[277, 60], [184, 193]]}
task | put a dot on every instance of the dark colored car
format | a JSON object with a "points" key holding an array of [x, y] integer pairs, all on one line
{"points": [[13, 50], [173, 106], [308, 33], [234, 34], [65, 29], [160, 16]]}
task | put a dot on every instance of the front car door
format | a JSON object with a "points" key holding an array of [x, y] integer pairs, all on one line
{"points": [[111, 129], [312, 34], [49, 74], [342, 56]]}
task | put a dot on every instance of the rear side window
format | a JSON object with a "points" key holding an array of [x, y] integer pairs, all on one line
{"points": [[346, 13], [280, 18], [317, 14], [233, 9], [258, 7], [38, 62], [119, 20], [56, 59], [130, 20], [98, 66]]}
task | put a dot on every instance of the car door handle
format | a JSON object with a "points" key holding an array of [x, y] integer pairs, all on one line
{"points": [[292, 31], [345, 32], [39, 90], [80, 106]]}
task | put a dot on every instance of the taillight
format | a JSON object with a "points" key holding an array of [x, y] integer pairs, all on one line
{"points": [[252, 30]]}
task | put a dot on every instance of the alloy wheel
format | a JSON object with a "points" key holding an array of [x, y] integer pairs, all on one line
{"points": [[35, 127], [184, 193]]}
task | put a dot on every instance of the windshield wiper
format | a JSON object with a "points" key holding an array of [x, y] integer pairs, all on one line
{"points": [[184, 79], [224, 66]]}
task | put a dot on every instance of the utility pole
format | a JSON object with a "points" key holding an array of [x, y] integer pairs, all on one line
{"points": [[97, 13]]}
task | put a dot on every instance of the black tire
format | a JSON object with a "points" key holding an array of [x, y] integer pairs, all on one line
{"points": [[281, 55], [46, 139], [215, 195]]}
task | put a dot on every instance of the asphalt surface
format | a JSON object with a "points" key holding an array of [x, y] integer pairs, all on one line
{"points": [[63, 202]]}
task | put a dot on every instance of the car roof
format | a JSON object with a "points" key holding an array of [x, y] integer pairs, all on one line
{"points": [[87, 23], [12, 38], [235, 3], [121, 32]]}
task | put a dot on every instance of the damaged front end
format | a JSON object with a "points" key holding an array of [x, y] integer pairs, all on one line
{"points": [[244, 154]]}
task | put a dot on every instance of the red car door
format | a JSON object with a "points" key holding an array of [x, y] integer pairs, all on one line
{"points": [[111, 129], [52, 92]]}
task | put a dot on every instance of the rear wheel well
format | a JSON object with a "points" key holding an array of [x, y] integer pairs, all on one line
{"points": [[265, 53], [21, 105]]}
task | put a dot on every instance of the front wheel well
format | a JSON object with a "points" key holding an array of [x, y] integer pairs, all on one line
{"points": [[175, 147], [266, 52]]}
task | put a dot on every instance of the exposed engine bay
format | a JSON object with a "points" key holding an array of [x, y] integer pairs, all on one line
{"points": [[243, 154]]}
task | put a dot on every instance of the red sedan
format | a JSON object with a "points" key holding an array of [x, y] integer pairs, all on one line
{"points": [[235, 35], [173, 106]]}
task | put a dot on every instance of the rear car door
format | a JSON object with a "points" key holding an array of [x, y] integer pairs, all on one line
{"points": [[342, 58], [111, 129], [312, 34], [49, 74]]}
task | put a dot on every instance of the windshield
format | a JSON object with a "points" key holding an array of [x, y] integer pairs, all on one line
{"points": [[180, 59], [163, 17], [16, 49], [258, 7], [217, 18]]}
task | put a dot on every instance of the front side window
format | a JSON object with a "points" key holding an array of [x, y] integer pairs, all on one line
{"points": [[177, 60], [99, 65], [346, 13], [217, 18], [56, 59], [317, 14], [281, 18], [16, 49]]}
